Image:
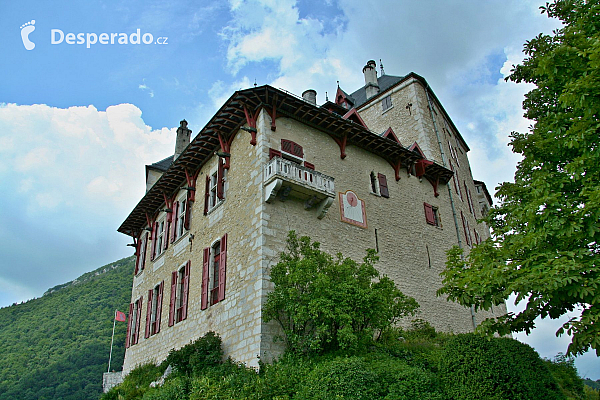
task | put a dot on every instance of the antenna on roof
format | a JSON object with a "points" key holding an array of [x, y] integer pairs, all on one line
{"points": [[326, 98], [381, 66], [255, 82]]}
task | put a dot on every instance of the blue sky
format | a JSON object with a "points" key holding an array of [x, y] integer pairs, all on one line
{"points": [[78, 124]]}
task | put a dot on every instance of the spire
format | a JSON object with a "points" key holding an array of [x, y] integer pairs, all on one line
{"points": [[381, 66], [326, 98]]}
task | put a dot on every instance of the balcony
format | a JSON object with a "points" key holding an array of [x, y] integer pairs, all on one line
{"points": [[284, 178]]}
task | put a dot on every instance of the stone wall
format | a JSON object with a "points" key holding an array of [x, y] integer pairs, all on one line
{"points": [[110, 380], [237, 318]]}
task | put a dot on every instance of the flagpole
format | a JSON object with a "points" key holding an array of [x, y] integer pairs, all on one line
{"points": [[112, 339]]}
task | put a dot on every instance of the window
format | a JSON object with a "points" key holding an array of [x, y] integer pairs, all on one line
{"points": [[468, 194], [133, 326], [466, 229], [141, 254], [431, 215], [379, 185], [180, 283], [154, 310], [180, 218], [386, 103], [213, 273], [215, 187], [161, 237], [180, 223], [374, 185], [292, 150]]}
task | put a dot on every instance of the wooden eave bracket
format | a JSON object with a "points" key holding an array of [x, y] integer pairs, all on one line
{"points": [[225, 147], [273, 115], [191, 182], [150, 222], [434, 182], [396, 165], [251, 121], [342, 143]]}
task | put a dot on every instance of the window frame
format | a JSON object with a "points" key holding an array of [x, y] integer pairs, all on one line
{"points": [[434, 214], [386, 103], [180, 217]]}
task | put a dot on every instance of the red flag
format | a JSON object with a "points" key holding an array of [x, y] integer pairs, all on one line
{"points": [[119, 316]]}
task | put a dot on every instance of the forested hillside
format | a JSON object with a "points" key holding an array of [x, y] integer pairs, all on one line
{"points": [[57, 346]]}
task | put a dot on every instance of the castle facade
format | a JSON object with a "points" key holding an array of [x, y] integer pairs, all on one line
{"points": [[383, 167]]}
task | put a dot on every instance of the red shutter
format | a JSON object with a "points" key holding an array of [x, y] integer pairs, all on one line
{"points": [[166, 231], [206, 195], [188, 211], [222, 268], [159, 306], [148, 314], [129, 317], [470, 201], [204, 293], [154, 237], [292, 148], [383, 187], [309, 165], [174, 219], [220, 180], [186, 287], [429, 216], [145, 248], [137, 256], [173, 298], [274, 153], [139, 319]]}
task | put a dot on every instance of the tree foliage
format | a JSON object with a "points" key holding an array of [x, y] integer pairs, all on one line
{"points": [[324, 303], [546, 235], [57, 346]]}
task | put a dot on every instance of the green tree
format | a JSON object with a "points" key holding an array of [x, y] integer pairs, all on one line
{"points": [[546, 235], [325, 303]]}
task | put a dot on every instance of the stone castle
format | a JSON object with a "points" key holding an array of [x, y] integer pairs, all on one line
{"points": [[383, 167]]}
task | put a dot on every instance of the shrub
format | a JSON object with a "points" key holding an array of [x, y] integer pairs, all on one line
{"points": [[564, 372], [325, 304], [194, 357], [177, 388], [348, 377], [476, 367]]}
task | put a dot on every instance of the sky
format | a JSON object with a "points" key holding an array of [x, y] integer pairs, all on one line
{"points": [[92, 91]]}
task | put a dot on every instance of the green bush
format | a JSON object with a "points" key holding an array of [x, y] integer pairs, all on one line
{"points": [[177, 388], [284, 378], [136, 383], [348, 377], [193, 358], [564, 372], [475, 367]]}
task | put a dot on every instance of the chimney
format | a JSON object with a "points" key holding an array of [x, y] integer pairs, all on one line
{"points": [[310, 95], [183, 138], [371, 85]]}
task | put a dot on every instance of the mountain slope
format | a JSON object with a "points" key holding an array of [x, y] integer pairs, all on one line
{"points": [[57, 346]]}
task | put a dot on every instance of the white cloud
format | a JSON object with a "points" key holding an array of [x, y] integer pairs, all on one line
{"points": [[220, 91], [81, 155]]}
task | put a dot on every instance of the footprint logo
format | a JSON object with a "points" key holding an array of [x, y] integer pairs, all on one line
{"points": [[26, 29]]}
